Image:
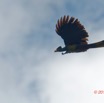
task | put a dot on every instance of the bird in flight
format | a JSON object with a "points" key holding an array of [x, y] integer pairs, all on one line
{"points": [[74, 35]]}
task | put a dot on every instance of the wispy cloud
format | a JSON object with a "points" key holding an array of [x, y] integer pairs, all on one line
{"points": [[29, 70]]}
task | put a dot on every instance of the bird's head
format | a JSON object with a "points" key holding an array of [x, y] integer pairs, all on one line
{"points": [[59, 49]]}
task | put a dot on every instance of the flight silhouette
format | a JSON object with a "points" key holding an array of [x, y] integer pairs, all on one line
{"points": [[74, 35]]}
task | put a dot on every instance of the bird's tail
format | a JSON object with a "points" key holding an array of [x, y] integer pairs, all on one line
{"points": [[96, 45]]}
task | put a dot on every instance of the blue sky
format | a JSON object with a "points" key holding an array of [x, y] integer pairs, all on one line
{"points": [[30, 71]]}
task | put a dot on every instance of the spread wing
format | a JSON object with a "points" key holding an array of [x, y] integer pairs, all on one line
{"points": [[71, 31]]}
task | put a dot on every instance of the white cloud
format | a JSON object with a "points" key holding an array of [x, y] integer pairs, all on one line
{"points": [[29, 71], [70, 80]]}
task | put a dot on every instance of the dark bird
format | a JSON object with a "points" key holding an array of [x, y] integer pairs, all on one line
{"points": [[74, 35]]}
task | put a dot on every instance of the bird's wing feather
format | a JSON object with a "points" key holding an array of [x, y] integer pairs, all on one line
{"points": [[71, 30]]}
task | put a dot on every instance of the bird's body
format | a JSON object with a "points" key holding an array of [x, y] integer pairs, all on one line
{"points": [[80, 48], [74, 35]]}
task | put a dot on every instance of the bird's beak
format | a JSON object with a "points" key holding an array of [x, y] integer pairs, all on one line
{"points": [[55, 51]]}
